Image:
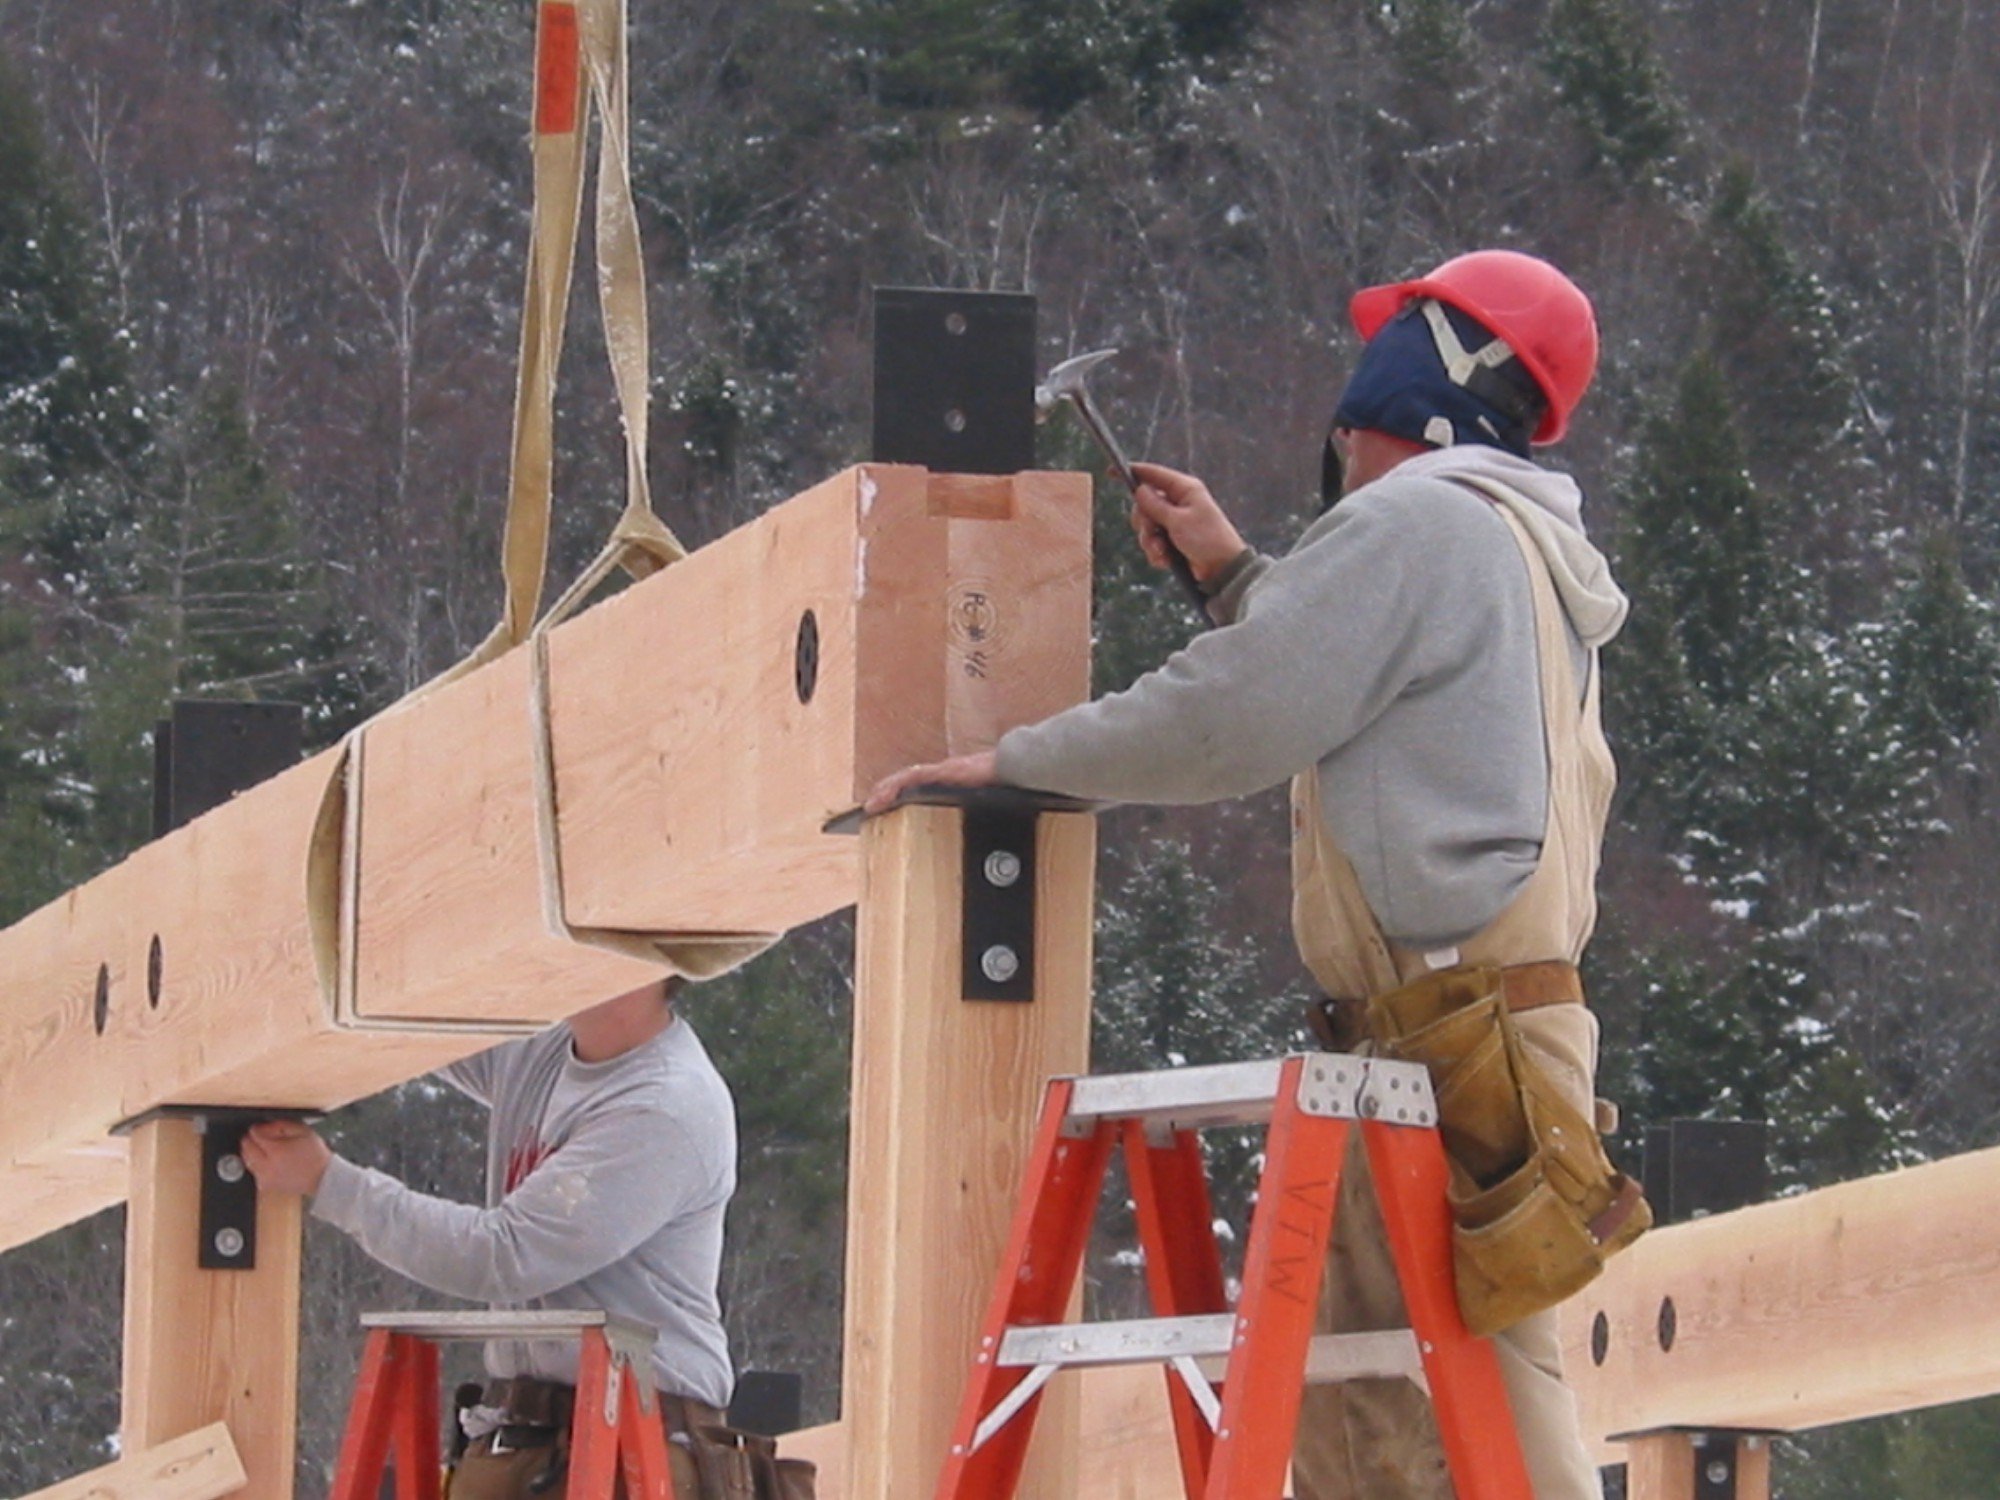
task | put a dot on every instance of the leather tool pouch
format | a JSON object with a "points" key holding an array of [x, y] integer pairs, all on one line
{"points": [[737, 1465], [1537, 1207]]}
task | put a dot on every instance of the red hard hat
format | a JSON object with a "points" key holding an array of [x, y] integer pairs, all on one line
{"points": [[1543, 315]]}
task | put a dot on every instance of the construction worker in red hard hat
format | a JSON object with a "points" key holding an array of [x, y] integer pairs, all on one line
{"points": [[1422, 667]]}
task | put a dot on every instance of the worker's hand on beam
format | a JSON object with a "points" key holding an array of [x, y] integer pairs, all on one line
{"points": [[960, 770], [286, 1157], [1170, 504]]}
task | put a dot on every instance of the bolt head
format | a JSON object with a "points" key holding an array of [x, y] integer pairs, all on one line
{"points": [[229, 1168], [1003, 868], [999, 963], [229, 1243]]}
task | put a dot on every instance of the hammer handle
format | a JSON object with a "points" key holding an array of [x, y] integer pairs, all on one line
{"points": [[1176, 559]]}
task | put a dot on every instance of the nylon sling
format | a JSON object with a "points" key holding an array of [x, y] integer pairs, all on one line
{"points": [[580, 71]]}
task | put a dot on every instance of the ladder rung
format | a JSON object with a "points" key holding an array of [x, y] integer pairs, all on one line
{"points": [[448, 1327], [1130, 1341], [1218, 1094], [1332, 1083], [1207, 1339]]}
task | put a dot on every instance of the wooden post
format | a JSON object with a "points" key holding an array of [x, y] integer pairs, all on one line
{"points": [[208, 1346], [945, 1095], [1664, 1465]]}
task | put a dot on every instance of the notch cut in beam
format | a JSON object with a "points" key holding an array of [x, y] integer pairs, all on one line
{"points": [[697, 762]]}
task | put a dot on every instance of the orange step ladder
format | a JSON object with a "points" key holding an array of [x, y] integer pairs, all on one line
{"points": [[1234, 1442], [616, 1426]]}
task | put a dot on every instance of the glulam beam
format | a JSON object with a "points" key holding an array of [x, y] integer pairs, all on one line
{"points": [[706, 724], [1869, 1297]]}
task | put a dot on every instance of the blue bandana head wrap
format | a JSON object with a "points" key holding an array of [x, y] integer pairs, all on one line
{"points": [[1433, 375]]}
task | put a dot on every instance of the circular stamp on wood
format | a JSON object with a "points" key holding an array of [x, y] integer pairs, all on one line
{"points": [[974, 624]]}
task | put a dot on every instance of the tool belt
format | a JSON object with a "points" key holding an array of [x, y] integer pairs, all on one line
{"points": [[729, 1464], [1341, 1025], [1537, 1207]]}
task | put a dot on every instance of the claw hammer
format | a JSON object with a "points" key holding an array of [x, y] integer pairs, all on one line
{"points": [[1069, 381]]}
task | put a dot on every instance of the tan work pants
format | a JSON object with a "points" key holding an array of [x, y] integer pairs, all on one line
{"points": [[1376, 1439]]}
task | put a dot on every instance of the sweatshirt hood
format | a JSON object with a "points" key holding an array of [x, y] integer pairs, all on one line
{"points": [[1549, 506]]}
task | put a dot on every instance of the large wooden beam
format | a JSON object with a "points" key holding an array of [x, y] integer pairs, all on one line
{"points": [[697, 759], [1871, 1297], [200, 1465], [946, 1092]]}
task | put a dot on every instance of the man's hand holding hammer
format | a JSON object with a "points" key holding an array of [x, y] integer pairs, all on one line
{"points": [[1169, 506]]}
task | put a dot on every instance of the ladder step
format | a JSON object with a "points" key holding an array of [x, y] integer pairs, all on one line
{"points": [[1336, 1084], [1207, 1339]]}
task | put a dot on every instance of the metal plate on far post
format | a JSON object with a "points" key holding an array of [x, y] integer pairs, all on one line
{"points": [[998, 924], [955, 380], [210, 750], [1692, 1168]]}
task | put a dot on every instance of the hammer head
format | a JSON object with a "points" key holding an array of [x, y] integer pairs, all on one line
{"points": [[1067, 381]]}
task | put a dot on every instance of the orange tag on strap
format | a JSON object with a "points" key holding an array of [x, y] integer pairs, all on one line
{"points": [[558, 78]]}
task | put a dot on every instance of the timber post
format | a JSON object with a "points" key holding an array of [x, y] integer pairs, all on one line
{"points": [[944, 1087], [204, 1346]]}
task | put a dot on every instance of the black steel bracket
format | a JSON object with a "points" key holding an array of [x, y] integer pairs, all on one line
{"points": [[997, 911], [997, 903], [1718, 1454], [227, 1213]]}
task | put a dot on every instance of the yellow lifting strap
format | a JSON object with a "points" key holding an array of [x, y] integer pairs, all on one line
{"points": [[580, 69]]}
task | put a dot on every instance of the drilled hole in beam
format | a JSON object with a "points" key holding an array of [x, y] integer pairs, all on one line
{"points": [[156, 962], [805, 657], [101, 1008]]}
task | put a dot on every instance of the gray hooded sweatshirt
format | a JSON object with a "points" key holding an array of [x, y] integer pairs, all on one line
{"points": [[1393, 649], [606, 1185]]}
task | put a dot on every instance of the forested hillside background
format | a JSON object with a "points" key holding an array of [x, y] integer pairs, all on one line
{"points": [[259, 279]]}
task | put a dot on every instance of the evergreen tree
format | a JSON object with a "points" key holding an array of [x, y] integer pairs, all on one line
{"points": [[1704, 630], [1940, 659], [71, 429], [1606, 73], [1777, 330], [1700, 538], [1434, 41], [1177, 986]]}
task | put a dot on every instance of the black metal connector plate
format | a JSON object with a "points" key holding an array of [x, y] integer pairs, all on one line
{"points": [[1716, 1458], [211, 750], [998, 896], [227, 1216], [955, 380], [1696, 1167], [998, 923], [228, 1199]]}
